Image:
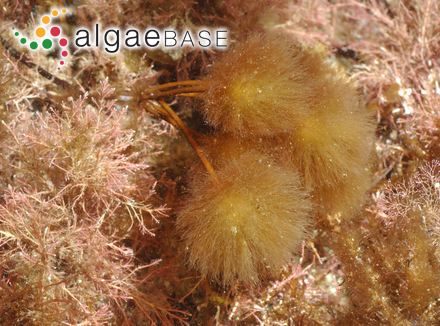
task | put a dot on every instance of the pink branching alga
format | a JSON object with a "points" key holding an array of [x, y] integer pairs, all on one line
{"points": [[80, 183]]}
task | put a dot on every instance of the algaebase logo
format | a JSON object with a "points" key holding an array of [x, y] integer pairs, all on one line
{"points": [[47, 34]]}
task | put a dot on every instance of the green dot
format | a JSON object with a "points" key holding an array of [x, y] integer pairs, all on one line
{"points": [[33, 45], [23, 40], [47, 44], [16, 33], [13, 27]]}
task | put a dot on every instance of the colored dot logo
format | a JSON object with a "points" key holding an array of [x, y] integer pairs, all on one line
{"points": [[40, 32], [47, 35], [55, 31]]}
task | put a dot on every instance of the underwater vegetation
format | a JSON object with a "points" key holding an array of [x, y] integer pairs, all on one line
{"points": [[298, 109], [292, 179]]}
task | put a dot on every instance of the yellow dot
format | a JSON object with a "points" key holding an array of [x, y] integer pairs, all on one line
{"points": [[40, 32], [45, 20], [64, 11], [55, 13]]}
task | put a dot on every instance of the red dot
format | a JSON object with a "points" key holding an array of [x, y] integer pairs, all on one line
{"points": [[55, 31], [64, 53], [61, 62], [58, 68], [63, 42]]}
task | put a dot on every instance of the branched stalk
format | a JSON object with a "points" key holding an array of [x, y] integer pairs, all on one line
{"points": [[160, 113], [176, 92], [191, 140], [179, 83]]}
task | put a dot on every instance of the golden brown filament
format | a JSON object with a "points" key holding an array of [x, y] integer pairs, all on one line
{"points": [[191, 140]]}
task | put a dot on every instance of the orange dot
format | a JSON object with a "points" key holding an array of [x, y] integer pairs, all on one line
{"points": [[70, 10], [40, 32], [55, 13], [45, 20], [64, 11]]}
